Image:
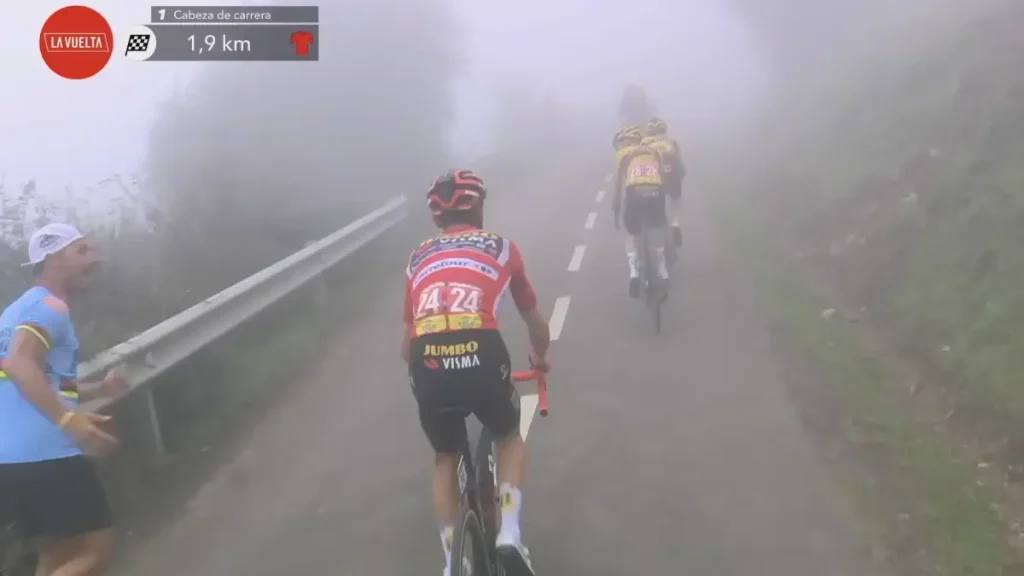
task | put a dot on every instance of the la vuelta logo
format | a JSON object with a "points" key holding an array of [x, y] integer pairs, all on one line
{"points": [[76, 42]]}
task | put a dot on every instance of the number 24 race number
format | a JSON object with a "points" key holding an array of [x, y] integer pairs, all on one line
{"points": [[448, 298]]}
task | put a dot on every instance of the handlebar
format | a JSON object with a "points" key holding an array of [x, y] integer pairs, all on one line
{"points": [[542, 386]]}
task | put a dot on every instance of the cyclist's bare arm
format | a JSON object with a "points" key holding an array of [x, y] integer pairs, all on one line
{"points": [[620, 178], [526, 302], [677, 160], [539, 333]]}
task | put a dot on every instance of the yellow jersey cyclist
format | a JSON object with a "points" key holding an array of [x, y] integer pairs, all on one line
{"points": [[639, 198], [657, 137]]}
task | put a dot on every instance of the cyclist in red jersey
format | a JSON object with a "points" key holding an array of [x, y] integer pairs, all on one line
{"points": [[457, 358]]}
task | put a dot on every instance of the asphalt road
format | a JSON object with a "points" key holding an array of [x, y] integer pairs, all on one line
{"points": [[677, 454]]}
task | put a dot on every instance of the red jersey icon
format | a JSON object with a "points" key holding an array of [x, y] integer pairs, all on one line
{"points": [[302, 39]]}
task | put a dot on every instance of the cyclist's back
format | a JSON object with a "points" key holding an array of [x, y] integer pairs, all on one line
{"points": [[639, 180], [667, 146], [457, 279], [638, 165], [458, 362], [673, 168]]}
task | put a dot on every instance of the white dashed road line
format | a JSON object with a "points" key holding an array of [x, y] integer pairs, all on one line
{"points": [[558, 317], [608, 178], [600, 196], [527, 410], [577, 258], [591, 218]]}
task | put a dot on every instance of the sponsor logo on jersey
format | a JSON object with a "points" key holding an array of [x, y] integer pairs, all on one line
{"points": [[460, 349], [476, 240], [448, 263], [460, 362], [444, 322], [453, 356]]}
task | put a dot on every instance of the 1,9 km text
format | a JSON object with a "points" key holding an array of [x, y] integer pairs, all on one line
{"points": [[213, 43]]}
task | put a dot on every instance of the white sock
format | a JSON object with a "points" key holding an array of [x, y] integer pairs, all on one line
{"points": [[662, 268], [447, 541], [634, 272], [511, 503]]}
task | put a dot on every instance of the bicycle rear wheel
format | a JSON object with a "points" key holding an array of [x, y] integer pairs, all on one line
{"points": [[469, 548], [487, 485], [652, 284]]}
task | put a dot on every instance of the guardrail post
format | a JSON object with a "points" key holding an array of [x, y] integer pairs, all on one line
{"points": [[157, 437]]}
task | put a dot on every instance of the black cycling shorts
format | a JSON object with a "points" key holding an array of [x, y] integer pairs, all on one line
{"points": [[53, 499], [644, 206], [461, 373]]}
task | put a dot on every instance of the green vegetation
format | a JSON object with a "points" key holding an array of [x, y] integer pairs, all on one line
{"points": [[920, 497], [907, 201]]}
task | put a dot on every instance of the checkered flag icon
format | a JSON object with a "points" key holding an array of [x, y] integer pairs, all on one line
{"points": [[137, 43]]}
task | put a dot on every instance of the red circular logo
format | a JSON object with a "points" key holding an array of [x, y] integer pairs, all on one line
{"points": [[76, 42]]}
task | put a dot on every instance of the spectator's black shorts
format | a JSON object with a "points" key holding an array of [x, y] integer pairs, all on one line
{"points": [[644, 206], [53, 499], [461, 373]]}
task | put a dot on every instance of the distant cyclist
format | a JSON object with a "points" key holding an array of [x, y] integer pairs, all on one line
{"points": [[457, 358], [674, 170], [640, 200], [635, 107]]}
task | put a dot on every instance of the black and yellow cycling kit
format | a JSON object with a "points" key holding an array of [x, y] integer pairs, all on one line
{"points": [[640, 177], [638, 165], [672, 163]]}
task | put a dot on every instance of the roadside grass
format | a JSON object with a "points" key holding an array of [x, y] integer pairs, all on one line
{"points": [[940, 278], [921, 498]]}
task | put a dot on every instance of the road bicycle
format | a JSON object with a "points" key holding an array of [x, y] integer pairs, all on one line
{"points": [[473, 549], [654, 287]]}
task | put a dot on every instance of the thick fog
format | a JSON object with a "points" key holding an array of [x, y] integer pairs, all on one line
{"points": [[693, 56], [404, 89]]}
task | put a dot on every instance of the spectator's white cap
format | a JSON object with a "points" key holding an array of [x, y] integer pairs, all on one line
{"points": [[50, 239]]}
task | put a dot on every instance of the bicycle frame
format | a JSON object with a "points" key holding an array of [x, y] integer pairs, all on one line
{"points": [[651, 281], [479, 488]]}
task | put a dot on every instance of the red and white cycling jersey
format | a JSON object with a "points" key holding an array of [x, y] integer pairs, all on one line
{"points": [[456, 281]]}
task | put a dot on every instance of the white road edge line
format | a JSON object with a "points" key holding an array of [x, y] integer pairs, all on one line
{"points": [[591, 218], [558, 317], [600, 196], [577, 258], [527, 411]]}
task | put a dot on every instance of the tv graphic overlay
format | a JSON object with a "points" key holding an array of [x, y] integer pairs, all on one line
{"points": [[234, 33], [234, 14], [140, 44], [235, 43], [76, 42]]}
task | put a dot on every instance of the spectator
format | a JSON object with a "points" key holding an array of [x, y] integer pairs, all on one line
{"points": [[49, 488]]}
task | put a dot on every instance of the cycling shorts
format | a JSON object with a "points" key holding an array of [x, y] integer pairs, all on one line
{"points": [[455, 374], [644, 206]]}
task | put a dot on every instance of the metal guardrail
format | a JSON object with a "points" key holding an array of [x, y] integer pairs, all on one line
{"points": [[149, 354]]}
